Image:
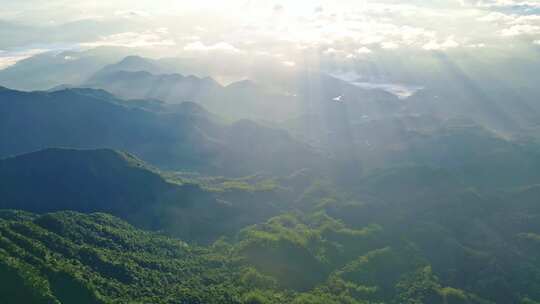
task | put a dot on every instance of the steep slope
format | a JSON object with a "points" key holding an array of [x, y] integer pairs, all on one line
{"points": [[120, 184], [73, 258], [185, 138], [83, 180]]}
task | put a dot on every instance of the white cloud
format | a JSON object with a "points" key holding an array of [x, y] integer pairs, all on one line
{"points": [[132, 14], [363, 50], [331, 51], [134, 39], [358, 53], [526, 19], [477, 45], [496, 17], [162, 30], [514, 4], [389, 45], [520, 29], [514, 24], [198, 46], [434, 45], [289, 63], [336, 29], [8, 59], [278, 8], [536, 42]]}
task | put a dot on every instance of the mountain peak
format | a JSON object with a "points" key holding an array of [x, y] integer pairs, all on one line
{"points": [[130, 64], [133, 59]]}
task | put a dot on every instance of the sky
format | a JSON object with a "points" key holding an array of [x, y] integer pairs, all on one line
{"points": [[284, 31]]}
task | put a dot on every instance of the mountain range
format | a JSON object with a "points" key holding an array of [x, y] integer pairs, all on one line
{"points": [[185, 138], [124, 180]]}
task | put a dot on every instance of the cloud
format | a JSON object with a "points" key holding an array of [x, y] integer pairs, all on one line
{"points": [[334, 30], [504, 4], [132, 14], [512, 25], [496, 17], [521, 29], [389, 45], [477, 45], [526, 19], [162, 30], [332, 51], [434, 45], [536, 42], [358, 52], [278, 8], [153, 38], [289, 63], [198, 46], [8, 58], [363, 50]]}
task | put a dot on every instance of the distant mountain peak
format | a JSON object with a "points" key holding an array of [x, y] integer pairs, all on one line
{"points": [[130, 63], [133, 59], [134, 62]]}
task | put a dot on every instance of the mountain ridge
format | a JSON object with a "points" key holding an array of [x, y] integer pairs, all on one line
{"points": [[188, 138]]}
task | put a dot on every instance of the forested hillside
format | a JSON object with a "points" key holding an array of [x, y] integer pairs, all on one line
{"points": [[184, 137], [414, 234], [117, 183], [270, 152], [462, 254]]}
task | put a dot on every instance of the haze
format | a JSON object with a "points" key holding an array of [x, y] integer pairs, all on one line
{"points": [[270, 152], [331, 33]]}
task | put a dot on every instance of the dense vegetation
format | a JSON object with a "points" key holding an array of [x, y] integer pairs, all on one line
{"points": [[184, 205], [474, 256], [412, 234], [373, 201], [69, 257]]}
